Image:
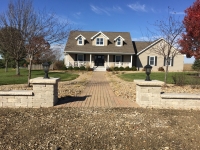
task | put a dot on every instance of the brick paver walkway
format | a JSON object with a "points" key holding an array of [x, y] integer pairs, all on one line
{"points": [[97, 93]]}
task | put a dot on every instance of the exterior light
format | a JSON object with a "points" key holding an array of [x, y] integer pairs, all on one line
{"points": [[46, 70], [148, 72]]}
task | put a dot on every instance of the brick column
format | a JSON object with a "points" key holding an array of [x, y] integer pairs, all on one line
{"points": [[148, 93], [45, 92]]}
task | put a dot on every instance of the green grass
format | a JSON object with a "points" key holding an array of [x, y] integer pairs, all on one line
{"points": [[157, 76], [10, 77]]}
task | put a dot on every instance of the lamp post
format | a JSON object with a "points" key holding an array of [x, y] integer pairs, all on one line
{"points": [[46, 70], [148, 72]]}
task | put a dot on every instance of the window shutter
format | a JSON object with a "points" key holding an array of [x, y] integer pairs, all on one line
{"points": [[147, 60], [84, 57], [172, 61], [164, 61], [75, 57], [155, 60], [122, 58], [113, 58]]}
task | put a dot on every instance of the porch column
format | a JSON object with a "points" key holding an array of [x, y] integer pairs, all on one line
{"points": [[131, 61], [108, 60], [90, 60]]}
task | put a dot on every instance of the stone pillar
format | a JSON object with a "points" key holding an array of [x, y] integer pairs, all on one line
{"points": [[45, 92], [108, 61], [148, 93]]}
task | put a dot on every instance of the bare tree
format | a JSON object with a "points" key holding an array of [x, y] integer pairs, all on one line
{"points": [[22, 16], [169, 31]]}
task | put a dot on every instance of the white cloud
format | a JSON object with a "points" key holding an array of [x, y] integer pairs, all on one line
{"points": [[137, 7], [107, 10]]}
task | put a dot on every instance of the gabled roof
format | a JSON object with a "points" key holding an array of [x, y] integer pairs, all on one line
{"points": [[72, 47], [119, 37], [98, 34], [79, 36], [142, 46]]}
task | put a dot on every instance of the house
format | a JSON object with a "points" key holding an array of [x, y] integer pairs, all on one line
{"points": [[101, 50]]}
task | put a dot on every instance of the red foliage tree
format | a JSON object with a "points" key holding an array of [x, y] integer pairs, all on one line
{"points": [[190, 41]]}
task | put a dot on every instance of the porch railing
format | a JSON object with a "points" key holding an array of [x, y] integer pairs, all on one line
{"points": [[79, 63], [118, 64]]}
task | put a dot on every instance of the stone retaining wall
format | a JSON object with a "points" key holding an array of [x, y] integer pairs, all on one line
{"points": [[44, 94], [148, 94]]}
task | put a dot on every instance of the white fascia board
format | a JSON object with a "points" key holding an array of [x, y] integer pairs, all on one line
{"points": [[98, 52], [81, 36], [98, 34], [119, 37], [150, 46]]}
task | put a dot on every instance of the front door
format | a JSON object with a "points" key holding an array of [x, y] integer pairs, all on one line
{"points": [[99, 60]]}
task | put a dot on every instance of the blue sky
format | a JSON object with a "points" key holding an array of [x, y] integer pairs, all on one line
{"points": [[132, 16]]}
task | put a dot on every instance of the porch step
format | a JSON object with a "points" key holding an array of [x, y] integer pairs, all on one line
{"points": [[99, 68]]}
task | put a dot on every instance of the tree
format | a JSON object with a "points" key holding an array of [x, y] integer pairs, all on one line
{"points": [[34, 24], [196, 66], [190, 40], [169, 30], [12, 46]]}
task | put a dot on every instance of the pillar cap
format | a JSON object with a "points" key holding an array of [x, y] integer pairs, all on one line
{"points": [[45, 81], [151, 83]]}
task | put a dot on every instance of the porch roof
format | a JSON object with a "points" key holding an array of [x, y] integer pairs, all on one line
{"points": [[72, 47]]}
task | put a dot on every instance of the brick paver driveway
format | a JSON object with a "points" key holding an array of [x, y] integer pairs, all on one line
{"points": [[97, 93]]}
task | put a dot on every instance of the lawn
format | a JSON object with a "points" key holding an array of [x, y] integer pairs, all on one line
{"points": [[9, 77], [188, 77]]}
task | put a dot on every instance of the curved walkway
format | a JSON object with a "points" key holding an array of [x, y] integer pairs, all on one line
{"points": [[97, 93]]}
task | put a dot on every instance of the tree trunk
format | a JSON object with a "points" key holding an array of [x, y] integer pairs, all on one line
{"points": [[166, 72], [17, 68], [6, 65], [29, 71]]}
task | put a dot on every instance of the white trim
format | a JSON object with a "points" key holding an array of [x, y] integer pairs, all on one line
{"points": [[92, 38], [131, 61], [150, 46], [75, 52], [99, 41], [79, 36], [119, 37], [154, 60], [80, 39], [170, 61]]}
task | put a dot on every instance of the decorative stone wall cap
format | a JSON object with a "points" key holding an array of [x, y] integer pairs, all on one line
{"points": [[180, 96], [153, 82], [17, 93], [45, 81]]}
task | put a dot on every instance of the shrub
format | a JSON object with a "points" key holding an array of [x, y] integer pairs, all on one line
{"points": [[87, 67], [127, 68], [82, 68], [179, 79], [70, 68], [161, 69], [76, 68], [116, 68], [59, 65], [121, 68], [134, 68]]}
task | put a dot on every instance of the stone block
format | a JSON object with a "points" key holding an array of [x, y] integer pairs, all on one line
{"points": [[13, 100], [7, 104]]}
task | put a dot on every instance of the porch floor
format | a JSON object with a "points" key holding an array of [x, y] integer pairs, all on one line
{"points": [[97, 93]]}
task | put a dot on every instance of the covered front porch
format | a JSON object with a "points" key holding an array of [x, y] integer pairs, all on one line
{"points": [[99, 60]]}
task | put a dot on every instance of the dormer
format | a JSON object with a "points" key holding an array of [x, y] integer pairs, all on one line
{"points": [[99, 39], [119, 41], [80, 40]]}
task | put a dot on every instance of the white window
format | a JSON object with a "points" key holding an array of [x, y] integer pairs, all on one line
{"points": [[80, 57], [80, 41], [152, 60], [119, 42], [118, 58], [169, 62], [99, 41]]}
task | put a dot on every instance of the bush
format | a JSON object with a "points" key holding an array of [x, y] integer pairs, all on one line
{"points": [[127, 68], [121, 68], [70, 68], [59, 65], [161, 69], [116, 68], [134, 68], [179, 79], [76, 68], [82, 68]]}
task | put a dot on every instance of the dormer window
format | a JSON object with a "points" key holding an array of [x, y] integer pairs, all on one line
{"points": [[99, 41], [80, 41], [119, 41]]}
